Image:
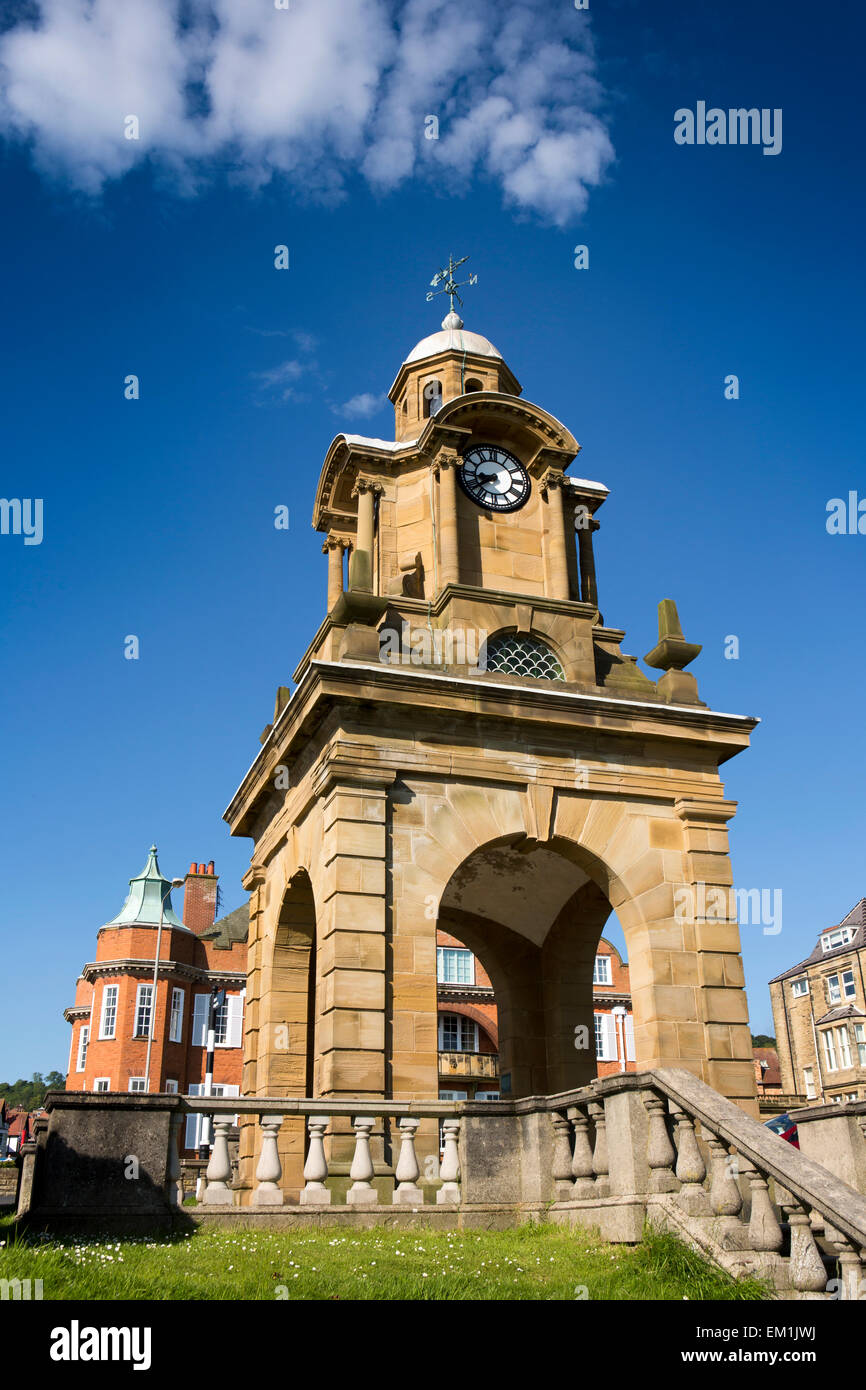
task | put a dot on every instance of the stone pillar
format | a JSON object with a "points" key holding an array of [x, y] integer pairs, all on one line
{"points": [[254, 882], [709, 920], [361, 562], [588, 586], [333, 548], [557, 576], [351, 938], [449, 553]]}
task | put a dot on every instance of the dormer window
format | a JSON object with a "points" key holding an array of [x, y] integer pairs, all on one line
{"points": [[840, 937], [432, 398]]}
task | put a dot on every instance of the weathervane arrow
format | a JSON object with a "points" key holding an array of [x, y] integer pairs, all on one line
{"points": [[446, 283]]}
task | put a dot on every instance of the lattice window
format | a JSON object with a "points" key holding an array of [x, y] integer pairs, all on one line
{"points": [[522, 656]]}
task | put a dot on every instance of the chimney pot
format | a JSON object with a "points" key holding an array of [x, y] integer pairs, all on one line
{"points": [[201, 868], [192, 869], [210, 868]]}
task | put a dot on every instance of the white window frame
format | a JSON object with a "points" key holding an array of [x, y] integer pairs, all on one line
{"points": [[83, 1043], [143, 991], [852, 1095], [844, 1048], [198, 1035], [834, 990], [799, 988], [849, 984], [108, 1009], [467, 1031], [840, 937], [102, 1083], [860, 1042], [464, 962], [830, 1050], [606, 1044], [171, 1088], [134, 1088], [602, 973], [175, 1027], [487, 1095], [809, 1082], [192, 1129]]}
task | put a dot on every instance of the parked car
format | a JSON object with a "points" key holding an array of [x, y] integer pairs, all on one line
{"points": [[784, 1126]]}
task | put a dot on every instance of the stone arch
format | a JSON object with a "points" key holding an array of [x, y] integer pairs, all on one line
{"points": [[688, 1002], [288, 1012]]}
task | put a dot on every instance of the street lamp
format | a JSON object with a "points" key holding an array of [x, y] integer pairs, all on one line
{"points": [[175, 883]]}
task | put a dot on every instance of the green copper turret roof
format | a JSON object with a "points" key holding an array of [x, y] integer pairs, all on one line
{"points": [[144, 897]]}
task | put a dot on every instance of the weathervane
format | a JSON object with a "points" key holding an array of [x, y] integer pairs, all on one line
{"points": [[447, 284]]}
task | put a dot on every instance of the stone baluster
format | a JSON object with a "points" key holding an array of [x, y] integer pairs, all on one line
{"points": [[449, 1171], [407, 1192], [174, 1183], [600, 1165], [851, 1282], [660, 1152], [219, 1168], [726, 1199], [581, 1159], [314, 1192], [806, 1268], [362, 1193], [765, 1233], [690, 1169], [268, 1192], [562, 1158]]}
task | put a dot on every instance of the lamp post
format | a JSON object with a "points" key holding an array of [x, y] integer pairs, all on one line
{"points": [[175, 883]]}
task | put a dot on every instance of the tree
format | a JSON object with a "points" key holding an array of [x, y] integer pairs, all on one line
{"points": [[29, 1095], [762, 1040]]}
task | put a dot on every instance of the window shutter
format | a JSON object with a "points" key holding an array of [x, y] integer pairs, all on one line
{"points": [[199, 1024], [235, 1028], [608, 1032], [629, 1038]]}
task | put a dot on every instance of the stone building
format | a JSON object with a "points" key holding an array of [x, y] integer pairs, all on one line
{"points": [[469, 749], [114, 1007], [819, 1009]]}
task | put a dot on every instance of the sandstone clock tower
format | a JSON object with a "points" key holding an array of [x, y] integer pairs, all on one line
{"points": [[467, 744]]}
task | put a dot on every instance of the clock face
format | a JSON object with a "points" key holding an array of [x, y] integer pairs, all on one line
{"points": [[493, 478]]}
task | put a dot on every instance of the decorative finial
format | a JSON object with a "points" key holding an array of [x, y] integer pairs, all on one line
{"points": [[443, 282], [672, 655], [153, 849]]}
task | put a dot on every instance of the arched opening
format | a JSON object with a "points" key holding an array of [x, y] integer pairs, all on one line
{"points": [[520, 655], [288, 1013], [432, 398], [472, 384], [560, 995]]}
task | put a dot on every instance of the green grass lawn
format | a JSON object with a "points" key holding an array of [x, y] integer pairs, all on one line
{"points": [[531, 1262]]}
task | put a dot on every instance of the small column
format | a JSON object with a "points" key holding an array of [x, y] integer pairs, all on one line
{"points": [[600, 1165], [806, 1268], [269, 1171], [765, 1233], [362, 1193], [552, 484], [174, 1184], [562, 1158], [407, 1192], [333, 548], [315, 1193], [660, 1152], [449, 1172], [219, 1168], [361, 562], [586, 561], [691, 1169], [581, 1159], [449, 551]]}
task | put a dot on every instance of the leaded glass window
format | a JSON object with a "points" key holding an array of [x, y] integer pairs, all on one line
{"points": [[522, 656]]}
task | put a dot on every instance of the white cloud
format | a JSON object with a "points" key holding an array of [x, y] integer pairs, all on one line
{"points": [[313, 93], [362, 406]]}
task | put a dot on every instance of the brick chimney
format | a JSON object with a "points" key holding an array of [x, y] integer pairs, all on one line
{"points": [[200, 897]]}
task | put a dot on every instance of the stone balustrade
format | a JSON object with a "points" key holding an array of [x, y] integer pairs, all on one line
{"points": [[658, 1146]]}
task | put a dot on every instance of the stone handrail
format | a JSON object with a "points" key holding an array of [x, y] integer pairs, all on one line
{"points": [[739, 1147]]}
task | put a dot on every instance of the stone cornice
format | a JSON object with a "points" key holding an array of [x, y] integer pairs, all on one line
{"points": [[131, 965], [76, 1011], [409, 687]]}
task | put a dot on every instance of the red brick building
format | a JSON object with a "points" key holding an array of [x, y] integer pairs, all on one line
{"points": [[114, 1007], [468, 1031]]}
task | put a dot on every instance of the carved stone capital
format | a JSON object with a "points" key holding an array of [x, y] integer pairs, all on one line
{"points": [[367, 485], [552, 478]]}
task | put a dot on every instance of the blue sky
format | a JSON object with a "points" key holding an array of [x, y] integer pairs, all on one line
{"points": [[158, 260]]}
